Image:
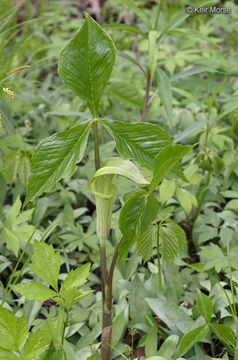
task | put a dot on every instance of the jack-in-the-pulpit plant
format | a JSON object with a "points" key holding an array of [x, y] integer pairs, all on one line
{"points": [[85, 66]]}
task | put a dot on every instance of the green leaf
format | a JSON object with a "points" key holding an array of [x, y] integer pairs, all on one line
{"points": [[46, 263], [164, 162], [204, 306], [172, 239], [70, 296], [153, 52], [192, 338], [191, 34], [76, 278], [125, 27], [55, 157], [86, 63], [11, 239], [12, 330], [7, 355], [165, 91], [35, 291], [10, 166], [24, 169], [136, 141], [215, 256], [36, 344], [226, 336], [167, 190], [130, 221], [127, 95], [150, 212], [139, 12], [186, 199], [151, 343], [13, 212], [118, 166], [131, 59], [145, 243], [169, 346]]}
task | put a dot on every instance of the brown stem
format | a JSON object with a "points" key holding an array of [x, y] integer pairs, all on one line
{"points": [[146, 101]]}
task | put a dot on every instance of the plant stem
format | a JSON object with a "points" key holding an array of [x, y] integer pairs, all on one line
{"points": [[212, 344], [96, 146], [146, 101], [157, 14], [230, 273], [159, 263]]}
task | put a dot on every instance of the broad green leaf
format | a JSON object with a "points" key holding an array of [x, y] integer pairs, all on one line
{"points": [[11, 240], [127, 95], [46, 263], [36, 344], [191, 70], [191, 130], [226, 336], [76, 278], [165, 91], [35, 291], [169, 346], [118, 326], [167, 190], [24, 168], [12, 330], [145, 243], [55, 157], [215, 257], [204, 306], [172, 239], [119, 166], [164, 162], [10, 166], [86, 63], [13, 212], [232, 205], [139, 12], [7, 355], [136, 141], [130, 221], [186, 199], [192, 338], [151, 343], [150, 212], [125, 27], [153, 52]]}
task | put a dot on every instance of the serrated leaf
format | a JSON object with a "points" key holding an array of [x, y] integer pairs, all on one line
{"points": [[185, 200], [167, 190], [71, 296], [164, 162], [226, 336], [119, 166], [172, 239], [165, 91], [153, 52], [76, 278], [36, 344], [192, 338], [215, 256], [55, 157], [139, 12], [136, 141], [86, 63], [35, 291], [11, 240], [12, 330], [145, 243], [46, 263], [130, 221], [204, 306]]}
